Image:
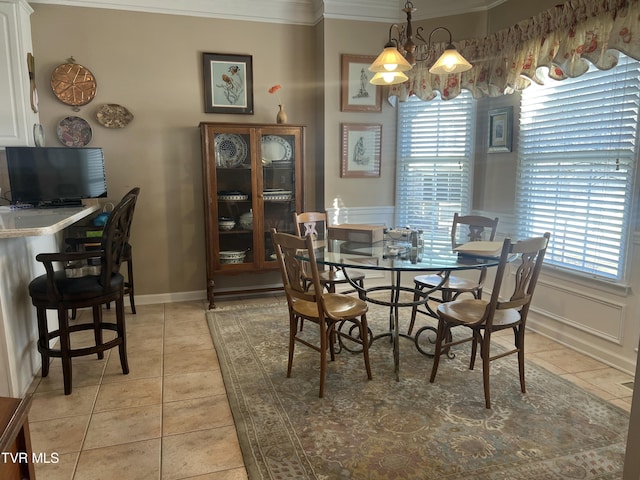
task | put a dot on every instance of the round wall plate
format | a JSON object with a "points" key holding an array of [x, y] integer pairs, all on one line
{"points": [[74, 131], [38, 135], [73, 84]]}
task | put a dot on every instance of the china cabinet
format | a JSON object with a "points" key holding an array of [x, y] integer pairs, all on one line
{"points": [[252, 182]]}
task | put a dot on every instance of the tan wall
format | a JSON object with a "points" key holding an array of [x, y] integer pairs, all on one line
{"points": [[494, 187], [355, 38], [511, 12], [151, 64], [365, 38]]}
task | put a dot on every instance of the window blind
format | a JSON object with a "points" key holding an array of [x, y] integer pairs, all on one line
{"points": [[576, 162], [433, 172]]}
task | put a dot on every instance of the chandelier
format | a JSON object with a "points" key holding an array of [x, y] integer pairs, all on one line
{"points": [[399, 54]]}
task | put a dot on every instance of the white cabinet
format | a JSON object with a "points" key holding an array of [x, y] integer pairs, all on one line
{"points": [[16, 116]]}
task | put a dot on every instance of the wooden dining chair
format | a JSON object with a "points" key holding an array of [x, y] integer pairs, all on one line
{"points": [[483, 317], [55, 290], [325, 309], [316, 224], [465, 228]]}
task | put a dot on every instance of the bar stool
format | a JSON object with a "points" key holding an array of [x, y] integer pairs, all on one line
{"points": [[56, 290], [87, 242]]}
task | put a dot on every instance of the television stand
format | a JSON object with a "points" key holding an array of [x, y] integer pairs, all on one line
{"points": [[60, 204]]}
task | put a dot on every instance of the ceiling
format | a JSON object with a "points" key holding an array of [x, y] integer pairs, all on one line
{"points": [[304, 12]]}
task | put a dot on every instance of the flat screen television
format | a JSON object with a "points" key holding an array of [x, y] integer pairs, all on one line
{"points": [[55, 176]]}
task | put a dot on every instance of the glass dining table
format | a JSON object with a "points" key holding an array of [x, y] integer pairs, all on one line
{"points": [[396, 259]]}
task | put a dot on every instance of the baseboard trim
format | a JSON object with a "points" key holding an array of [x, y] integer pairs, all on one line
{"points": [[171, 297]]}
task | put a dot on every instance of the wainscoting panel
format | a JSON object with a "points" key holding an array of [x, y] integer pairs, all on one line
{"points": [[363, 215], [580, 310]]}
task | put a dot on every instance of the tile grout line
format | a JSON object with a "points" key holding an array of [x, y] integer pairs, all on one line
{"points": [[164, 332]]}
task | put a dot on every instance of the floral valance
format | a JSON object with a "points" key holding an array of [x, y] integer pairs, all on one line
{"points": [[564, 39]]}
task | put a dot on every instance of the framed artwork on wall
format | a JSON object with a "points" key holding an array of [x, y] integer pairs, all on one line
{"points": [[357, 94], [228, 83], [500, 130], [361, 147]]}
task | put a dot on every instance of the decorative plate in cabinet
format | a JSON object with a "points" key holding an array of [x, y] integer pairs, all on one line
{"points": [[231, 150]]}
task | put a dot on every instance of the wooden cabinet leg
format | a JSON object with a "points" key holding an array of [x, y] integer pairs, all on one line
{"points": [[210, 295]]}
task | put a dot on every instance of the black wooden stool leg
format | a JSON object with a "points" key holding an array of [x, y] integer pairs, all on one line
{"points": [[65, 347]]}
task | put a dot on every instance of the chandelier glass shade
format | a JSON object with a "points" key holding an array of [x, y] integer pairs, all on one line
{"points": [[399, 54], [388, 78]]}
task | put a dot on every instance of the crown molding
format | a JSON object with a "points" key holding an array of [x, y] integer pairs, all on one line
{"points": [[447, 9], [364, 10], [298, 12]]}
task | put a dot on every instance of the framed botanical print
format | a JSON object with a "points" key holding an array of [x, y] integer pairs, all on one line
{"points": [[228, 83], [500, 130], [361, 147], [357, 94]]}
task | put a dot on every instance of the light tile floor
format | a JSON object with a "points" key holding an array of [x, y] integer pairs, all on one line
{"points": [[169, 419]]}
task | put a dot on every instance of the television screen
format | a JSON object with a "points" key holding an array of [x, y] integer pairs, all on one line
{"points": [[51, 176]]}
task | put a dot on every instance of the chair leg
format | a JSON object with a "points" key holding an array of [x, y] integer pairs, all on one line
{"points": [[65, 346], [361, 294], [323, 358], [130, 285], [122, 333], [43, 339], [440, 335], [485, 346], [414, 311], [364, 336], [474, 349], [97, 329], [293, 327], [520, 347], [331, 340]]}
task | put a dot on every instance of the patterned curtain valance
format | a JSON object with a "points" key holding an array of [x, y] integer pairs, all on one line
{"points": [[563, 39]]}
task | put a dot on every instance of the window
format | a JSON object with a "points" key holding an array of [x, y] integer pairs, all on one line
{"points": [[577, 157], [433, 173]]}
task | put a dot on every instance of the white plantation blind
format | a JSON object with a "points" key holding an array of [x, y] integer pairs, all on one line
{"points": [[433, 177], [577, 156]]}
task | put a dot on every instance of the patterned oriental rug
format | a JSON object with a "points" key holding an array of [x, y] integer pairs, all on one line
{"points": [[411, 429]]}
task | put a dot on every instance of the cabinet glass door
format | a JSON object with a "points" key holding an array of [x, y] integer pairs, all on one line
{"points": [[278, 153], [234, 175]]}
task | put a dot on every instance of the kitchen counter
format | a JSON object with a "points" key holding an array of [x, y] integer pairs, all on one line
{"points": [[28, 222], [24, 233]]}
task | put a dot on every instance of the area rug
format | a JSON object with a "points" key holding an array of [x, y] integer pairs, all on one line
{"points": [[406, 429]]}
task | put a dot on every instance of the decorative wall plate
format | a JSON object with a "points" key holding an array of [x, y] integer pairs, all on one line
{"points": [[73, 84], [275, 149], [38, 135], [74, 131], [112, 115], [231, 150]]}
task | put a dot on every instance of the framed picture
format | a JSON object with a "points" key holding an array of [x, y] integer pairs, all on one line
{"points": [[361, 147], [357, 94], [228, 83], [500, 129]]}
